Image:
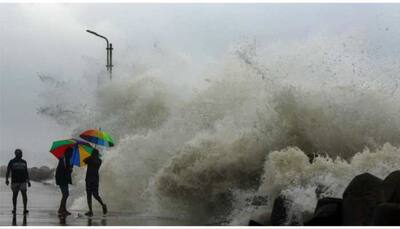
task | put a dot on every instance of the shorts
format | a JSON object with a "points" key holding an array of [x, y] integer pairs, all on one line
{"points": [[64, 190], [16, 187], [92, 186]]}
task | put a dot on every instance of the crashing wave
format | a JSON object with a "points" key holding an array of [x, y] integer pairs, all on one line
{"points": [[249, 129]]}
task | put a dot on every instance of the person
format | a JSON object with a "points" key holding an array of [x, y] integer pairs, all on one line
{"points": [[92, 181], [19, 179], [63, 179]]}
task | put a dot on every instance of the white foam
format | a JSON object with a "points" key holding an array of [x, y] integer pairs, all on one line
{"points": [[246, 130]]}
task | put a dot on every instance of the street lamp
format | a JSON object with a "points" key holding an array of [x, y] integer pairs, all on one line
{"points": [[109, 49]]}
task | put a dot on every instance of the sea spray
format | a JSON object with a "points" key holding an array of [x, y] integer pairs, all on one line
{"points": [[250, 129], [298, 179]]}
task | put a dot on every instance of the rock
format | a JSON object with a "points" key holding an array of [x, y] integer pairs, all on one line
{"points": [[327, 213], [281, 214], [41, 174], [361, 196], [254, 223], [387, 214], [45, 169], [391, 187], [34, 174]]}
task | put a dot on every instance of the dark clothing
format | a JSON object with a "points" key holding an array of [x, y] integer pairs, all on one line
{"points": [[63, 179], [16, 187], [92, 182], [63, 204], [19, 171], [63, 172], [92, 186], [64, 190], [92, 173]]}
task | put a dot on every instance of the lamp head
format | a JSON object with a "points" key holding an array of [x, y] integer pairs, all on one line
{"points": [[90, 31]]}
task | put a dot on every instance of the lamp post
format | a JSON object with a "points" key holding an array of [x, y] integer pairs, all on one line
{"points": [[109, 49]]}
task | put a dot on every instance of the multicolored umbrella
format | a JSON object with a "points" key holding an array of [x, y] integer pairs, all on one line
{"points": [[97, 137], [81, 150], [58, 148]]}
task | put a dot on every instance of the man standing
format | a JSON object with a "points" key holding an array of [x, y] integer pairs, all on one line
{"points": [[19, 179]]}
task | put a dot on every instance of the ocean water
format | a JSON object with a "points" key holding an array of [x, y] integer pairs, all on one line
{"points": [[244, 126]]}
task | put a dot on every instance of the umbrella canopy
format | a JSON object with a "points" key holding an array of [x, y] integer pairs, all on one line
{"points": [[58, 148], [80, 153], [97, 137], [81, 150]]}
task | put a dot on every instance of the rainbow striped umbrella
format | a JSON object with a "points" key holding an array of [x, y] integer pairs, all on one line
{"points": [[97, 137], [58, 148], [81, 150]]}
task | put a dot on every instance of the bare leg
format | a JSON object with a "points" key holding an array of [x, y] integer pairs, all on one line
{"points": [[14, 200], [60, 209], [14, 220], [24, 221], [89, 200], [98, 198], [25, 200], [63, 203]]}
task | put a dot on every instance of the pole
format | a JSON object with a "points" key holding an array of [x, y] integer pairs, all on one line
{"points": [[108, 57], [109, 49], [111, 65]]}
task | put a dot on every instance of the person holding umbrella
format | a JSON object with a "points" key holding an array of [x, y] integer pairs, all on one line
{"points": [[63, 179], [73, 152], [92, 181], [97, 137]]}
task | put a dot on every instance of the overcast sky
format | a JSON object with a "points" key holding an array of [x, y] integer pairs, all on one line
{"points": [[51, 39]]}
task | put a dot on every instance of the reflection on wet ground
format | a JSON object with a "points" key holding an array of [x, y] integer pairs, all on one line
{"points": [[50, 218], [42, 217], [90, 221], [14, 220], [43, 203], [103, 222]]}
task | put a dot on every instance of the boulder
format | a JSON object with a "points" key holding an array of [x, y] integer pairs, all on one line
{"points": [[391, 187], [387, 214], [41, 174], [254, 223], [34, 174], [361, 196], [327, 213], [281, 214], [45, 169]]}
